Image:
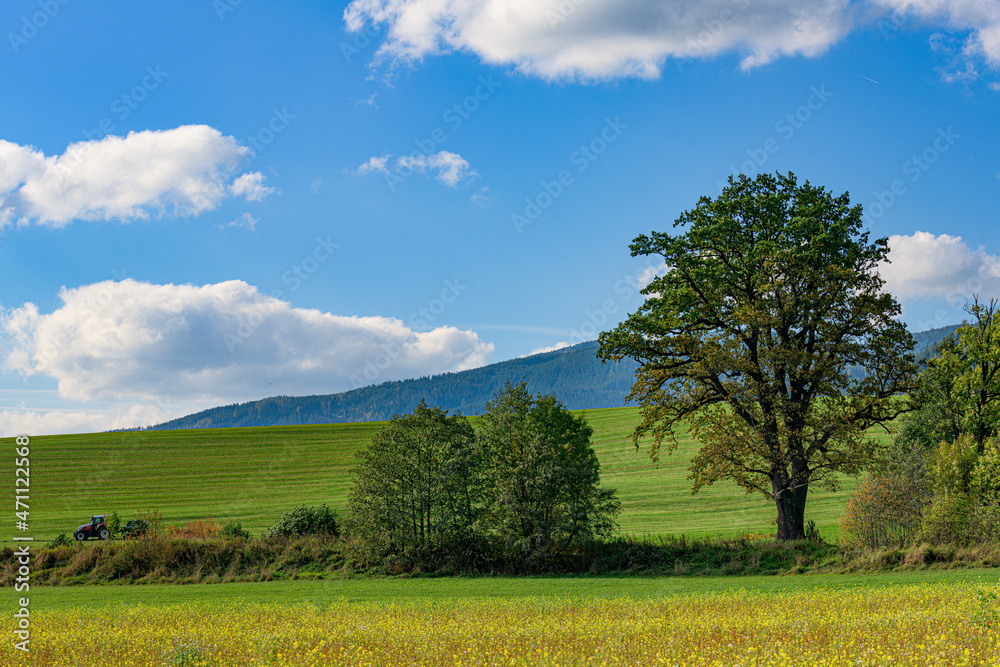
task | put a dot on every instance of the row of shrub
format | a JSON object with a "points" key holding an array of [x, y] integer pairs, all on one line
{"points": [[175, 560]]}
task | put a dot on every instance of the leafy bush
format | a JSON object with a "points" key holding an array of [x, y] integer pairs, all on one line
{"points": [[134, 528], [60, 541], [114, 523], [234, 530], [306, 521], [153, 519], [884, 511]]}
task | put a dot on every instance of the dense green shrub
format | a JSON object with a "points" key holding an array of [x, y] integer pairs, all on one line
{"points": [[234, 530], [305, 520], [965, 508], [885, 510], [416, 489]]}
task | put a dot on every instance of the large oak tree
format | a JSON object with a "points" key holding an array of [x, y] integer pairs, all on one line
{"points": [[770, 303]]}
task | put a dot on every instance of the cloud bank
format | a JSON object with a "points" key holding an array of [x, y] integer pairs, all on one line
{"points": [[603, 39], [53, 422], [925, 266], [218, 343], [183, 171]]}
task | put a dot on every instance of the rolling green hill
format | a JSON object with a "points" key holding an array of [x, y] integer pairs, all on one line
{"points": [[253, 475]]}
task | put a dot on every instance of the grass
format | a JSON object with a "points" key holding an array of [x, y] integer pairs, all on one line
{"points": [[384, 590], [253, 475]]}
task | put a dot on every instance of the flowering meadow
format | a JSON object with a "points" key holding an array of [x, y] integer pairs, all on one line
{"points": [[930, 624]]}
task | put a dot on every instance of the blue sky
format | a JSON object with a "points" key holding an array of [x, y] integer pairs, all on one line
{"points": [[210, 202]]}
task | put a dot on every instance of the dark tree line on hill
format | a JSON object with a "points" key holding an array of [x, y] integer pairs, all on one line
{"points": [[575, 374]]}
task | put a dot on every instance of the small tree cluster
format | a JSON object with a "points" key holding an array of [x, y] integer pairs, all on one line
{"points": [[965, 507], [415, 489], [522, 489], [940, 480], [234, 530], [541, 478]]}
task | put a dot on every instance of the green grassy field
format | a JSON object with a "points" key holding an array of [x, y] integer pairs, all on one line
{"points": [[449, 589], [253, 475]]}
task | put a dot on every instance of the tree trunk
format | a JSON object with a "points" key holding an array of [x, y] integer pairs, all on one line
{"points": [[791, 506]]}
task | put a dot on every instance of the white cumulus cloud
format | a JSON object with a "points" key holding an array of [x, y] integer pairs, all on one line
{"points": [[183, 171], [602, 39], [140, 342], [451, 168], [926, 266], [250, 186]]}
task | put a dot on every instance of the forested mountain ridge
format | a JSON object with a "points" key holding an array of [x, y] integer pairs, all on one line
{"points": [[574, 374]]}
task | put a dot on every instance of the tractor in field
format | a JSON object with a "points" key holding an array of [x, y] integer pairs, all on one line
{"points": [[96, 528]]}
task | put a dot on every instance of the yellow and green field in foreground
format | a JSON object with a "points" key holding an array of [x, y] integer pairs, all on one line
{"points": [[889, 621]]}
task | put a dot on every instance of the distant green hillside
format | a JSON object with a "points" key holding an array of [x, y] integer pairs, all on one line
{"points": [[926, 340], [574, 374], [253, 475]]}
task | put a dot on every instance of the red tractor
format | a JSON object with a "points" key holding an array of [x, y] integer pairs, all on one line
{"points": [[96, 528]]}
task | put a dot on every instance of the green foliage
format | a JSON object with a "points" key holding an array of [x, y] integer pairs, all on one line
{"points": [[948, 520], [542, 478], [234, 530], [948, 446], [114, 523], [952, 464], [304, 520], [134, 528], [971, 360], [416, 485], [885, 511], [812, 532], [153, 520], [965, 508], [60, 541], [935, 421], [771, 296]]}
